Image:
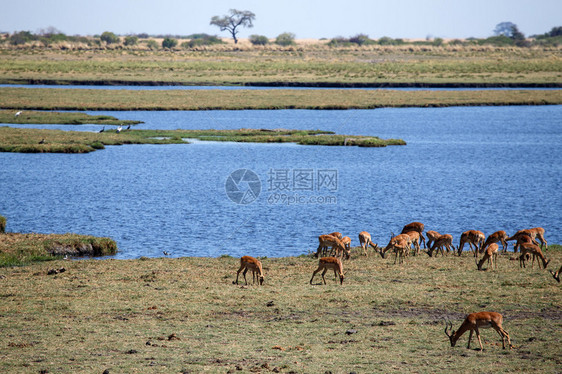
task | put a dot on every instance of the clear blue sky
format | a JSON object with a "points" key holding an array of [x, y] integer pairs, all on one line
{"points": [[304, 18]]}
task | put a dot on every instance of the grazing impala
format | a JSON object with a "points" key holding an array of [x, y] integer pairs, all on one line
{"points": [[365, 241], [534, 233], [324, 247], [473, 322], [498, 236], [346, 240], [473, 238], [329, 263], [415, 226], [250, 263], [533, 249], [400, 244], [431, 236], [443, 241], [490, 254], [336, 244], [392, 242]]}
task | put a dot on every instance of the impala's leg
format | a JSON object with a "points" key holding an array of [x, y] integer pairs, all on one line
{"points": [[335, 275], [324, 273], [501, 332], [313, 274], [244, 274], [469, 339], [238, 272]]}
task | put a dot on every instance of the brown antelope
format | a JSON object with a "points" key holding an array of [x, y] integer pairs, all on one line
{"points": [[365, 241], [473, 238], [415, 238], [327, 263], [443, 241], [250, 263], [415, 226], [400, 244], [431, 236], [490, 254], [557, 274], [336, 234], [498, 236], [533, 249], [534, 233], [333, 242], [346, 240], [473, 322]]}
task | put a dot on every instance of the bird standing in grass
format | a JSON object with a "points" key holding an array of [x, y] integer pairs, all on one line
{"points": [[18, 114], [119, 129], [102, 130]]}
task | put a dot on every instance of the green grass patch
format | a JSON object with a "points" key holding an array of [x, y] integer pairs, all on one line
{"points": [[58, 141], [21, 249], [64, 118], [185, 315]]}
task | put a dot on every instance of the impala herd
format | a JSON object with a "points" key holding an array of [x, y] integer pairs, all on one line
{"points": [[409, 242]]}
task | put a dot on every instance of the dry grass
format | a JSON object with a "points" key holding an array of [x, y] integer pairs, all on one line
{"points": [[185, 315]]}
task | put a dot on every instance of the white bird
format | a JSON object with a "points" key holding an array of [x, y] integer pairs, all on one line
{"points": [[119, 129], [18, 113]]}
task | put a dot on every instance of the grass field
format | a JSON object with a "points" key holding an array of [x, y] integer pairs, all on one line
{"points": [[185, 315], [305, 64]]}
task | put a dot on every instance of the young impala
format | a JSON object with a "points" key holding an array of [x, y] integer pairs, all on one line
{"points": [[365, 241], [329, 263], [250, 263], [473, 322], [490, 254], [443, 241]]}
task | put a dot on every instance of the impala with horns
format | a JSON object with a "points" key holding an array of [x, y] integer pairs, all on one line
{"points": [[475, 321], [415, 226], [444, 241], [473, 238], [329, 263], [253, 264], [365, 241]]}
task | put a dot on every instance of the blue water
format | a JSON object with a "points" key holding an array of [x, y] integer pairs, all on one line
{"points": [[485, 168]]}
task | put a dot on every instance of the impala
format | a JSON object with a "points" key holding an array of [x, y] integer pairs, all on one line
{"points": [[250, 263], [365, 241], [443, 241], [400, 244], [336, 244], [557, 274], [533, 249], [498, 236], [415, 226], [415, 238], [324, 247], [346, 240], [393, 240], [473, 322], [473, 238], [490, 254], [431, 236], [327, 263], [534, 233]]}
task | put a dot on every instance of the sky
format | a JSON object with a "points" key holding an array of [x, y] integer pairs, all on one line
{"points": [[313, 19]]}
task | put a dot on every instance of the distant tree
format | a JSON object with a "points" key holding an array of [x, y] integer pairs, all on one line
{"points": [[285, 39], [151, 44], [505, 29], [21, 37], [131, 40], [109, 37], [360, 39], [232, 22], [259, 39], [169, 43]]}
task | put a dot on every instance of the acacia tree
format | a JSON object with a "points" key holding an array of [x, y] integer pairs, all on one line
{"points": [[233, 21]]}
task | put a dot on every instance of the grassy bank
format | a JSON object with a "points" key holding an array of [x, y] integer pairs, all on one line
{"points": [[58, 141], [308, 64], [64, 118], [185, 315], [21, 249], [64, 99]]}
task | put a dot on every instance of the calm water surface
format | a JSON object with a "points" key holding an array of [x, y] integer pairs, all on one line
{"points": [[486, 168]]}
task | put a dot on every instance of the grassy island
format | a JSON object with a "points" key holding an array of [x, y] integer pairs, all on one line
{"points": [[58, 141]]}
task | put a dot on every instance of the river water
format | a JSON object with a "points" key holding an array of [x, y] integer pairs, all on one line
{"points": [[485, 168]]}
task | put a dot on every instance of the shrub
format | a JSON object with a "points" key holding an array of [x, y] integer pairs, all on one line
{"points": [[285, 39], [2, 224], [131, 40], [200, 40], [21, 37], [338, 41], [360, 39], [109, 37], [152, 44], [259, 39], [169, 43]]}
